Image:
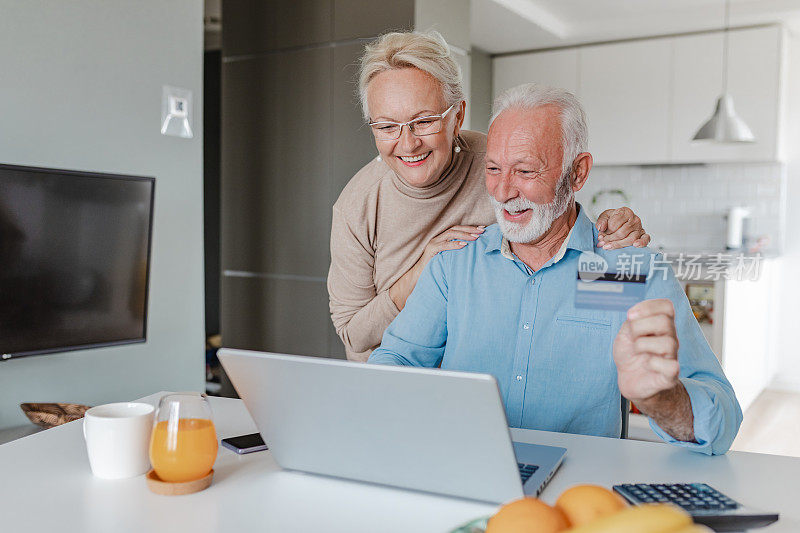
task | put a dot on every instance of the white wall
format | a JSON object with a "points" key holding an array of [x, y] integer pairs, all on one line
{"points": [[683, 206], [81, 89], [786, 366]]}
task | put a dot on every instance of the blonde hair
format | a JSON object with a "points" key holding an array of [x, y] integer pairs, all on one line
{"points": [[428, 52]]}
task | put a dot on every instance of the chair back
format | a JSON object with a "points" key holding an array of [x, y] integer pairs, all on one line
{"points": [[625, 408]]}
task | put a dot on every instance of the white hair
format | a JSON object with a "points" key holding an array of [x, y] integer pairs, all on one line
{"points": [[428, 52], [574, 133]]}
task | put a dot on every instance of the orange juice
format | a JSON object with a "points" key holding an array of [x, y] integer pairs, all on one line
{"points": [[186, 454]]}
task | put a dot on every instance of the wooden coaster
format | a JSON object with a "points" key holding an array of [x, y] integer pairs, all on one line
{"points": [[155, 484]]}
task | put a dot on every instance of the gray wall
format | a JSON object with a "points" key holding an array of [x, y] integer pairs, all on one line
{"points": [[81, 89], [292, 137], [451, 18], [481, 90]]}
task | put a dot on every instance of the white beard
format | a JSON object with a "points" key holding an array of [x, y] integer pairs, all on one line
{"points": [[542, 216]]}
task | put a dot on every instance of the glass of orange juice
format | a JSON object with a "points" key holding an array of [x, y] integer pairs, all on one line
{"points": [[183, 446]]}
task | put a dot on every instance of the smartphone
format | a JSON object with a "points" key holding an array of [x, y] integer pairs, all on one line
{"points": [[245, 443]]}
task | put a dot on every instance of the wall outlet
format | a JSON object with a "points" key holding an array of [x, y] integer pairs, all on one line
{"points": [[176, 112]]}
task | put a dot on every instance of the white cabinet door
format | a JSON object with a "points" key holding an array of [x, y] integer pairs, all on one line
{"points": [[746, 333], [753, 82], [625, 88], [557, 68]]}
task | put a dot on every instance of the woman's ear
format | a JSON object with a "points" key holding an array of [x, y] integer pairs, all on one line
{"points": [[461, 112]]}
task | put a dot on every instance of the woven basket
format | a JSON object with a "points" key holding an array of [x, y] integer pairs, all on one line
{"points": [[47, 415]]}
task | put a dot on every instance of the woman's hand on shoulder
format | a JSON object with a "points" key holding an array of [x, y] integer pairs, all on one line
{"points": [[453, 238], [620, 228]]}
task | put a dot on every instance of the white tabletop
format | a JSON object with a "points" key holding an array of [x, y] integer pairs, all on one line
{"points": [[46, 485]]}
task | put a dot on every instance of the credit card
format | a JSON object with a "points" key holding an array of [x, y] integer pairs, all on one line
{"points": [[610, 291]]}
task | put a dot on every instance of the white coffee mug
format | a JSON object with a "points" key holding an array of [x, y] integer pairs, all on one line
{"points": [[118, 439]]}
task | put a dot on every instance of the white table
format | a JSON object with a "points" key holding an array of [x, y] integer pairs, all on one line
{"points": [[46, 485]]}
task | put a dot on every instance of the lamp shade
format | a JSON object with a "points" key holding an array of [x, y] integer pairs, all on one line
{"points": [[725, 126]]}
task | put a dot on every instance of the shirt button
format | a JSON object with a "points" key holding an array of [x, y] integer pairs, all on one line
{"points": [[519, 378], [526, 326]]}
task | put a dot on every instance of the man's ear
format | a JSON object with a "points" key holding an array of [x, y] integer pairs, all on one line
{"points": [[580, 170]]}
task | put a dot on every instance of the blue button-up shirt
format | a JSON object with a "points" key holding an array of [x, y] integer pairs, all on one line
{"points": [[481, 309]]}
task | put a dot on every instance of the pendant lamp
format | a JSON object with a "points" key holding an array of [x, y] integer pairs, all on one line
{"points": [[725, 126]]}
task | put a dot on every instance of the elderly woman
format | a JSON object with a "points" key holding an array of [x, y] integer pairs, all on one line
{"points": [[423, 194]]}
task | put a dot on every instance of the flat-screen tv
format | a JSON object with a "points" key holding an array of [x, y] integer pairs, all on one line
{"points": [[74, 259]]}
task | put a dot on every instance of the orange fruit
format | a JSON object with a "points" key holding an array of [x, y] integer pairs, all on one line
{"points": [[528, 515], [583, 503]]}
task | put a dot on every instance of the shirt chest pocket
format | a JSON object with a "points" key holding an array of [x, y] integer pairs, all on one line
{"points": [[582, 339], [582, 345]]}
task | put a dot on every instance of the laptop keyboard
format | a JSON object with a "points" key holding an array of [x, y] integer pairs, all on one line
{"points": [[526, 471]]}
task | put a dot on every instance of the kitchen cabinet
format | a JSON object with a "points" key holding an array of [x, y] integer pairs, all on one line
{"points": [[742, 329], [624, 88], [645, 99], [747, 323], [753, 82], [557, 68], [741, 334]]}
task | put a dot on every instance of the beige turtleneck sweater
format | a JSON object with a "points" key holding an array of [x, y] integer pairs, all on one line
{"points": [[380, 228]]}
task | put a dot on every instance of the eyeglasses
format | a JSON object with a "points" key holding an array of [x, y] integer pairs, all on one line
{"points": [[420, 126]]}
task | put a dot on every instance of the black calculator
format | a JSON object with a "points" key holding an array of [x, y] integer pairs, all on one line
{"points": [[707, 505]]}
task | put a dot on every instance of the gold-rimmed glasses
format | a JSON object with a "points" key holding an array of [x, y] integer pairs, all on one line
{"points": [[386, 130]]}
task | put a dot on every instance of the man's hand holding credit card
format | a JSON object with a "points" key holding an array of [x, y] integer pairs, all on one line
{"points": [[646, 347], [646, 350]]}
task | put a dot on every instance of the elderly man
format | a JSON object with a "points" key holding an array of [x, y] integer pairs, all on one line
{"points": [[506, 303]]}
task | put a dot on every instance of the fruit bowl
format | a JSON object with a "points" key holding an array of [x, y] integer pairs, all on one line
{"points": [[473, 526], [48, 415]]}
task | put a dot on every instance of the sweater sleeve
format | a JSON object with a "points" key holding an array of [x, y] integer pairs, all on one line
{"points": [[360, 314]]}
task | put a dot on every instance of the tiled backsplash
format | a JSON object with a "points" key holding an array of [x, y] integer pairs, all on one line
{"points": [[684, 206]]}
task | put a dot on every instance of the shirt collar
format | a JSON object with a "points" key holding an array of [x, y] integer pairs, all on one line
{"points": [[580, 237]]}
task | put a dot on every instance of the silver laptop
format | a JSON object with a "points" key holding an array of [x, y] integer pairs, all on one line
{"points": [[431, 430]]}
